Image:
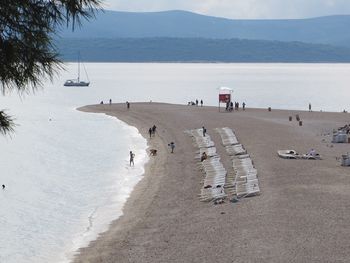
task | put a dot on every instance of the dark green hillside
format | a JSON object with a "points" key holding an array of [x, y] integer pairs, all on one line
{"points": [[198, 50]]}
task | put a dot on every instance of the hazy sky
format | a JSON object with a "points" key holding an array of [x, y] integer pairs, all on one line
{"points": [[238, 8]]}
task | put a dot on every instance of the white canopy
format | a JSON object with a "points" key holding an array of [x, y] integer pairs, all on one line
{"points": [[226, 89]]}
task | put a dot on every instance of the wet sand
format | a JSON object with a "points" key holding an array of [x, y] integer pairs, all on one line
{"points": [[301, 215]]}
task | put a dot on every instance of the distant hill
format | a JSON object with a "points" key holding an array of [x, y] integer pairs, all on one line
{"points": [[197, 50], [331, 30], [188, 37]]}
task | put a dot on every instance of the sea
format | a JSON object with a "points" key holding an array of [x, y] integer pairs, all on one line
{"points": [[66, 172]]}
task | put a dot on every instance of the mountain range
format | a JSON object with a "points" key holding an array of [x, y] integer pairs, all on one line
{"points": [[162, 35]]}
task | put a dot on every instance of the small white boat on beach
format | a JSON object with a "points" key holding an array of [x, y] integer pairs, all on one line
{"points": [[292, 154], [288, 154]]}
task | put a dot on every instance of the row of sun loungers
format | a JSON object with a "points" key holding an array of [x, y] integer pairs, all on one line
{"points": [[244, 179], [227, 136], [214, 172]]}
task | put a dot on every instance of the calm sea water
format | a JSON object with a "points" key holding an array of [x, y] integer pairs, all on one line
{"points": [[67, 172]]}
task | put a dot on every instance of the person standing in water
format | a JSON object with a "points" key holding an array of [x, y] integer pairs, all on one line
{"points": [[132, 156]]}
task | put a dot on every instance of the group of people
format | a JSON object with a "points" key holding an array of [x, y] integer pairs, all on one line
{"points": [[196, 103], [110, 102], [152, 131], [229, 106], [345, 128]]}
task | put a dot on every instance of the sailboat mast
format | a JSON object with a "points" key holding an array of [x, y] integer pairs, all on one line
{"points": [[79, 67]]}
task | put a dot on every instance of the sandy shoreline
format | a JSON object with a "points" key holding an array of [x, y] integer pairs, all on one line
{"points": [[301, 215]]}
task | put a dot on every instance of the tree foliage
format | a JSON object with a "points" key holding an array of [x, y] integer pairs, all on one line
{"points": [[27, 52]]}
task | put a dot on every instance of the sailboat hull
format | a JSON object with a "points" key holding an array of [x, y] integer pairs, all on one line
{"points": [[77, 82], [73, 83]]}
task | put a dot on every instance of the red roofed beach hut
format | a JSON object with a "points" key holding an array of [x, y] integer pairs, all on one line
{"points": [[225, 95]]}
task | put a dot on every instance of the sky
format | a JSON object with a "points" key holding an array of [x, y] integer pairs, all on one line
{"points": [[238, 9]]}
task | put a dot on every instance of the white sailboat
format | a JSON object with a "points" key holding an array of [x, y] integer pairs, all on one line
{"points": [[77, 82]]}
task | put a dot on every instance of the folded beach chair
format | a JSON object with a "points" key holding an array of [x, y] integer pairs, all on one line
{"points": [[235, 149], [211, 152], [209, 194], [248, 188]]}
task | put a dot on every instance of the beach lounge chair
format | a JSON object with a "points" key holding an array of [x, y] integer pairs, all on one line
{"points": [[311, 157], [248, 188]]}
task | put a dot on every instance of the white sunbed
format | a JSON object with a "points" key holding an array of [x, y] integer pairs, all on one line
{"points": [[311, 156], [235, 149], [248, 188], [208, 194], [209, 151]]}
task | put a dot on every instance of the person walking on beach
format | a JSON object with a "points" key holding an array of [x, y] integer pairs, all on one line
{"points": [[243, 105], [110, 101], [154, 128], [204, 156], [132, 156], [204, 131], [310, 107], [196, 102], [127, 105], [172, 146], [201, 103], [150, 132]]}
